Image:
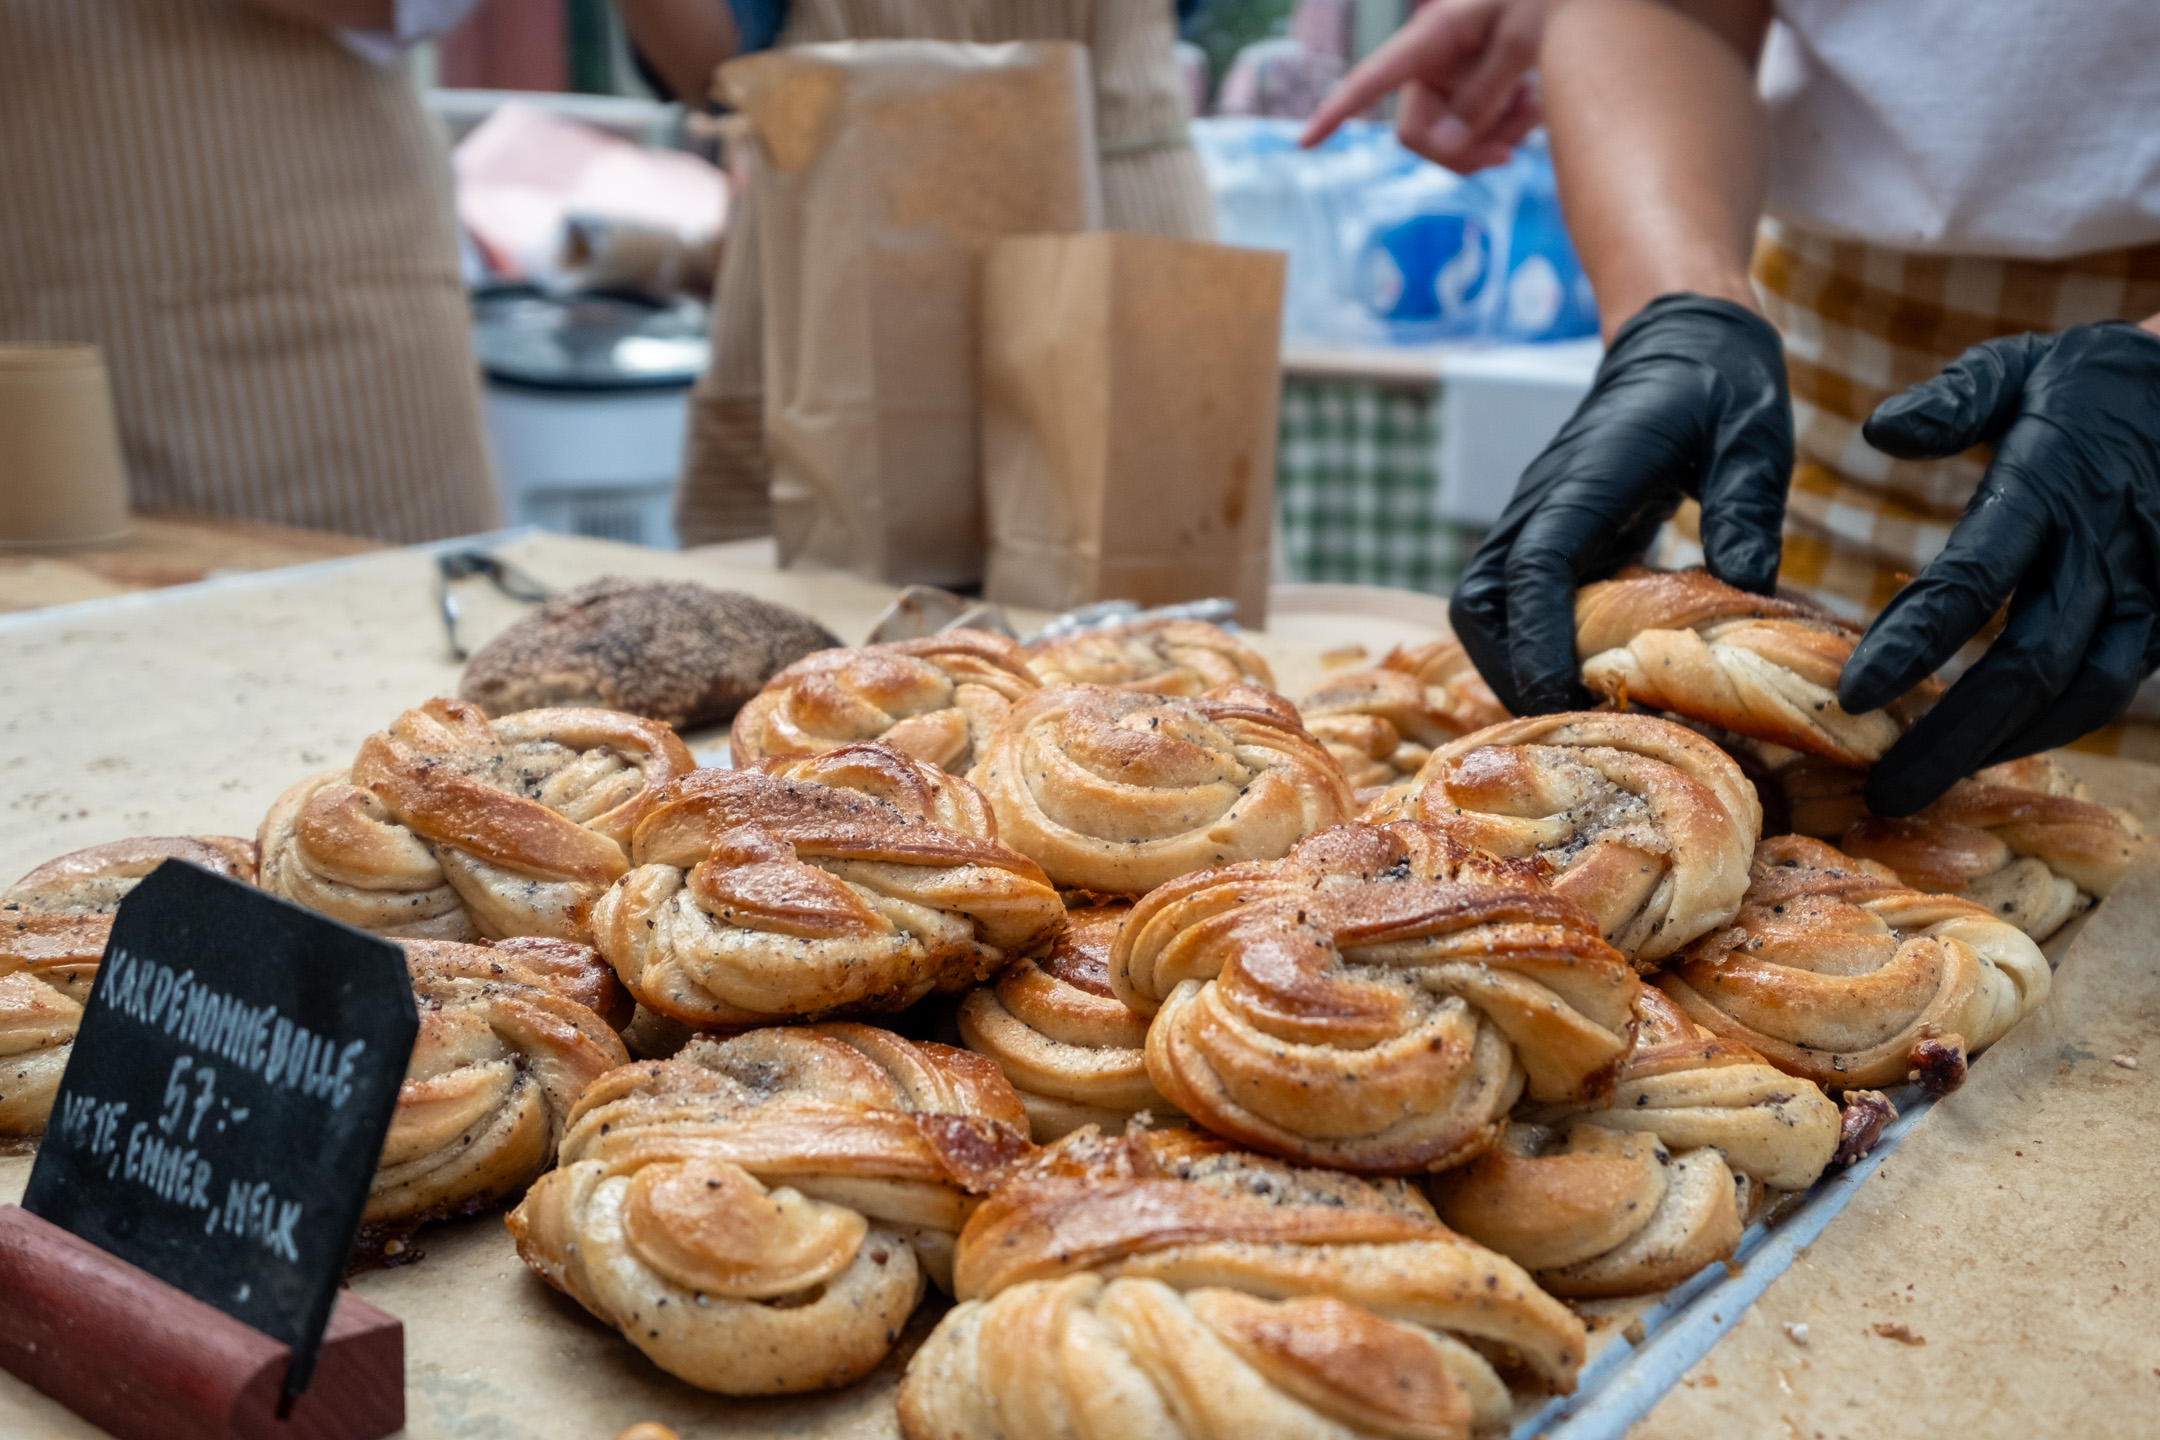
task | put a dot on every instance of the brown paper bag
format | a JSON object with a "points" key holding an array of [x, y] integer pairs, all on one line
{"points": [[887, 167], [1129, 389]]}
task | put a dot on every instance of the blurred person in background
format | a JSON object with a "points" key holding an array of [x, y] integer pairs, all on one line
{"points": [[1287, 76], [242, 203], [1151, 178], [1841, 251]]}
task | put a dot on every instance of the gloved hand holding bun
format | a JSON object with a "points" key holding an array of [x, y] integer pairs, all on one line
{"points": [[1690, 402], [2065, 528]]}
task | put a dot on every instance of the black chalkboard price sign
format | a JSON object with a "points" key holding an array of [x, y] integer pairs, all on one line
{"points": [[228, 1094]]}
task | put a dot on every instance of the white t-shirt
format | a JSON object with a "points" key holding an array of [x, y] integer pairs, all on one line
{"points": [[2025, 128]]}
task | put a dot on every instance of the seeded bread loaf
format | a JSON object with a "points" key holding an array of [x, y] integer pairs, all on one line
{"points": [[665, 649]]}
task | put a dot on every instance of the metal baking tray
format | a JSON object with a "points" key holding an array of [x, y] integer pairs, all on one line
{"points": [[1626, 1376]]}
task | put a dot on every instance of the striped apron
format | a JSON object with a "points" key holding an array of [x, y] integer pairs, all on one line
{"points": [[255, 226], [1863, 323], [1151, 179]]}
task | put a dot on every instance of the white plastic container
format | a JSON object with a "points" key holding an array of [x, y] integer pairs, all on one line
{"points": [[601, 464], [587, 402]]}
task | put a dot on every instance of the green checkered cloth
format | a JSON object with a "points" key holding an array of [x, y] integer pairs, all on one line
{"points": [[1357, 486]]}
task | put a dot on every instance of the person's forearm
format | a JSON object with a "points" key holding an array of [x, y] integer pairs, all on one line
{"points": [[1658, 138], [2150, 322], [345, 14], [683, 40]]}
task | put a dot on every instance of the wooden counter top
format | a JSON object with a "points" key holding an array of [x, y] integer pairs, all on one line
{"points": [[165, 548]]}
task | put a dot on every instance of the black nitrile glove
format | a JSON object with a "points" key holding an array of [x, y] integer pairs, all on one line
{"points": [[2065, 526], [1690, 401]]}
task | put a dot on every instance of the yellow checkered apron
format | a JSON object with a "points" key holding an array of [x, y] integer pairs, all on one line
{"points": [[1861, 324]]}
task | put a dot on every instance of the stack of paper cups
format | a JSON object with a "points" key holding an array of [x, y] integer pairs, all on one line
{"points": [[61, 478]]}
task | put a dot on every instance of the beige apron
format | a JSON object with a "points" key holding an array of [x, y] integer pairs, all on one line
{"points": [[1151, 178], [256, 227]]}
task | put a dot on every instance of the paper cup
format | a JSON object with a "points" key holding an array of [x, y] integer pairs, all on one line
{"points": [[62, 482]]}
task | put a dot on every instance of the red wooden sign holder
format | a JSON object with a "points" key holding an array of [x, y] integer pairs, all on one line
{"points": [[136, 1357]]}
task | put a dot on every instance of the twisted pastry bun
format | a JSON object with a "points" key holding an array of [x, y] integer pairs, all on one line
{"points": [[1594, 1213], [1759, 665], [1164, 657], [575, 972], [1657, 1181], [2027, 840], [1117, 791], [1835, 972], [936, 698], [1382, 723], [451, 826], [856, 879], [53, 926], [1694, 1089], [1055, 1026], [1452, 684], [1376, 1001], [1801, 794], [757, 1215], [1648, 826], [1163, 1285], [506, 1044]]}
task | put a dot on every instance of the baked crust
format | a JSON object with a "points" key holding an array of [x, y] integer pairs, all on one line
{"points": [[1073, 1050], [2026, 839], [1646, 824], [935, 698], [1375, 1001], [1764, 666], [758, 1214], [1164, 657], [1642, 1190], [1837, 972], [668, 650], [575, 972], [506, 1044], [1117, 791], [1163, 1284], [852, 880], [451, 826], [1383, 723], [54, 923]]}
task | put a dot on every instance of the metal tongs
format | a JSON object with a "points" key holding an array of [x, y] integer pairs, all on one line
{"points": [[1105, 614], [926, 610], [455, 565]]}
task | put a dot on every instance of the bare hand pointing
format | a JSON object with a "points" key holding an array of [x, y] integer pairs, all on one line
{"points": [[1463, 67]]}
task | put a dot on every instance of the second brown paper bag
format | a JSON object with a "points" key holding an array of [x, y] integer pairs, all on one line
{"points": [[887, 167], [1129, 387]]}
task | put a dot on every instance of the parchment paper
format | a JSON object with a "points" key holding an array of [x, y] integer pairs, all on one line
{"points": [[188, 710], [2014, 1237]]}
